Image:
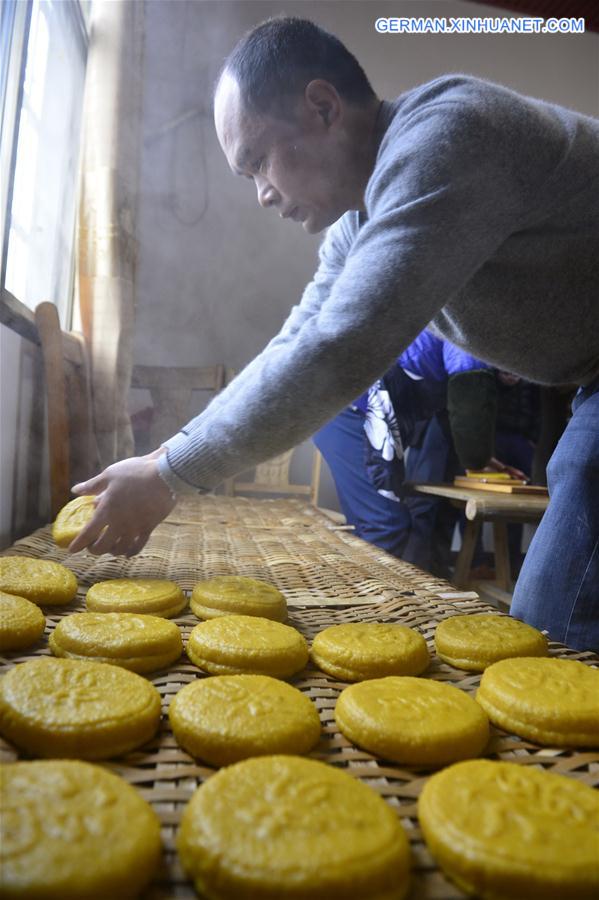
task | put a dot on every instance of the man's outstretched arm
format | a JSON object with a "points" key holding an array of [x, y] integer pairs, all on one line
{"points": [[430, 225], [133, 496]]}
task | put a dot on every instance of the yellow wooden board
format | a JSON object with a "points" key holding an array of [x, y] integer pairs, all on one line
{"points": [[502, 487]]}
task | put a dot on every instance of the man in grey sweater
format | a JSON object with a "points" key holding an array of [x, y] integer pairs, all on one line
{"points": [[461, 206]]}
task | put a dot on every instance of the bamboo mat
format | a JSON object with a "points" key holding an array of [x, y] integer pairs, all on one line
{"points": [[328, 577]]}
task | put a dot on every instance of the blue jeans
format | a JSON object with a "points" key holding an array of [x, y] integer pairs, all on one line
{"points": [[376, 519], [558, 586], [427, 462]]}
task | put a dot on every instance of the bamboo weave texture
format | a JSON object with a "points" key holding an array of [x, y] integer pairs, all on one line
{"points": [[328, 577]]}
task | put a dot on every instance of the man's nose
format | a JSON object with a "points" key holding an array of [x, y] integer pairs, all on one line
{"points": [[267, 194]]}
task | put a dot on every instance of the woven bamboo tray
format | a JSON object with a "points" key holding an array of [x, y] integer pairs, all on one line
{"points": [[329, 577]]}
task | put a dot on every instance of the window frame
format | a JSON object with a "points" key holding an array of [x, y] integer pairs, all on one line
{"points": [[14, 37], [15, 26]]}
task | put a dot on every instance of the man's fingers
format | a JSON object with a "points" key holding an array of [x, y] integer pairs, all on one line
{"points": [[515, 473], [92, 486], [518, 473], [126, 546], [90, 533], [107, 542], [138, 544]]}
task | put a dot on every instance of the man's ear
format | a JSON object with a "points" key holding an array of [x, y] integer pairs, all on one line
{"points": [[323, 100]]}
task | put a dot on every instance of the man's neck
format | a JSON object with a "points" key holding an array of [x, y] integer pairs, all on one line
{"points": [[368, 129]]}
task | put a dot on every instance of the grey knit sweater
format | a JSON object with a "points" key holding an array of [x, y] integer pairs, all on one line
{"points": [[482, 220]]}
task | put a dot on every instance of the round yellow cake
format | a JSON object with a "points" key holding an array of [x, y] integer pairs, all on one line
{"points": [[74, 831], [236, 595], [247, 645], [412, 720], [72, 518], [229, 717], [42, 581], [136, 642], [154, 596], [548, 701], [474, 642], [70, 708], [286, 827], [22, 622], [503, 831], [363, 650]]}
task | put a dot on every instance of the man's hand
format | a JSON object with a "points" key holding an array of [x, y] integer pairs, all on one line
{"points": [[131, 500], [495, 465]]}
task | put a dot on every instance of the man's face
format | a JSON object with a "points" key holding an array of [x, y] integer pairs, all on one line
{"points": [[296, 164]]}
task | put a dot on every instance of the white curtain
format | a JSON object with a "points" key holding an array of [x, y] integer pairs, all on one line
{"points": [[108, 244]]}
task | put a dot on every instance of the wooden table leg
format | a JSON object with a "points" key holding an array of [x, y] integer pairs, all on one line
{"points": [[461, 575], [503, 574]]}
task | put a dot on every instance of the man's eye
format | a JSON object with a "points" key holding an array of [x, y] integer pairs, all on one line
{"points": [[258, 166]]}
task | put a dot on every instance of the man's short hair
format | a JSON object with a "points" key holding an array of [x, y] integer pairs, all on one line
{"points": [[273, 63]]}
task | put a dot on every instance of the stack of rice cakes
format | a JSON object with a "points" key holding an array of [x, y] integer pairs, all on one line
{"points": [[392, 881]]}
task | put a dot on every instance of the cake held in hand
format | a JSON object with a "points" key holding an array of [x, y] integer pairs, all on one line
{"points": [[227, 595], [361, 650], [154, 596], [22, 622], [548, 701], [136, 642], [70, 708], [412, 720], [502, 830], [246, 645], [42, 581], [74, 831], [227, 718], [72, 518], [475, 642], [286, 827]]}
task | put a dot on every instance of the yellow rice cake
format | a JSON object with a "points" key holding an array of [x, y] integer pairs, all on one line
{"points": [[70, 708], [72, 518], [227, 718], [476, 641], [237, 595], [503, 831], [154, 596], [140, 643], [412, 720], [42, 581], [22, 622], [74, 831], [247, 645], [286, 827], [549, 701], [360, 650]]}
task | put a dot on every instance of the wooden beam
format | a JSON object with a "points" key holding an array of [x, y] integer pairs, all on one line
{"points": [[503, 574], [46, 317], [461, 574], [18, 317]]}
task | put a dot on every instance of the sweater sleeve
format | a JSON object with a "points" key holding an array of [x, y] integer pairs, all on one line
{"points": [[440, 201], [184, 478]]}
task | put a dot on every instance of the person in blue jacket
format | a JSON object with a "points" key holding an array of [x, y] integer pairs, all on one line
{"points": [[365, 444]]}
